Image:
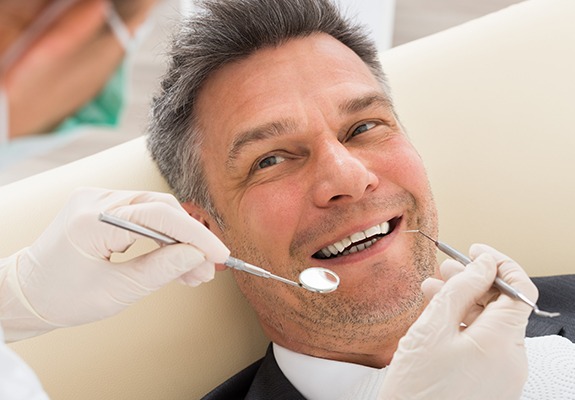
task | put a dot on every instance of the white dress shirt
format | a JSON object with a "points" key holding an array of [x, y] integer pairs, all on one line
{"points": [[551, 373], [320, 378]]}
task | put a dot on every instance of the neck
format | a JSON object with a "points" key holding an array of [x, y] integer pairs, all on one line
{"points": [[372, 346]]}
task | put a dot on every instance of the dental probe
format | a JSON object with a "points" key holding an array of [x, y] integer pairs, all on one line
{"points": [[314, 279], [499, 283]]}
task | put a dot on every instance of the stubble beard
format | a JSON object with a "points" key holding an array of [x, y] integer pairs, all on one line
{"points": [[381, 310]]}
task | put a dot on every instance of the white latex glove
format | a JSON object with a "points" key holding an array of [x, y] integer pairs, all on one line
{"points": [[17, 380], [66, 278], [439, 359]]}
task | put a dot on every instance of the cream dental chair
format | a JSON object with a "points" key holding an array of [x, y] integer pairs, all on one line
{"points": [[489, 104]]}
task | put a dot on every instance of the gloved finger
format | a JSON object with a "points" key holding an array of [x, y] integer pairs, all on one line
{"points": [[87, 234], [205, 272], [176, 223], [430, 287], [479, 307], [502, 315], [468, 287], [509, 270], [450, 305], [490, 294], [449, 268], [94, 238], [164, 265]]}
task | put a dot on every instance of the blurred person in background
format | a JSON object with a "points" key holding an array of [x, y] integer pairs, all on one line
{"points": [[63, 63]]}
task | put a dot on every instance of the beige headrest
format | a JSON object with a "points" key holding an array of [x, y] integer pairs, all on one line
{"points": [[490, 106]]}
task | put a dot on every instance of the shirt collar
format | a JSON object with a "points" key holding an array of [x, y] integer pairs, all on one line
{"points": [[319, 378]]}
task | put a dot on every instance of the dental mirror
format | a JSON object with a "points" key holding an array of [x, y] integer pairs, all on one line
{"points": [[320, 280], [314, 279]]}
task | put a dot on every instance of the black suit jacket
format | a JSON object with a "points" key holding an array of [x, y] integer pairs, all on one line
{"points": [[264, 380], [556, 294]]}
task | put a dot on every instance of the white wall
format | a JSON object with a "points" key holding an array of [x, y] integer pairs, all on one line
{"points": [[378, 15]]}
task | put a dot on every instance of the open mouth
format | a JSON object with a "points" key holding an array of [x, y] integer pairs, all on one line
{"points": [[358, 241]]}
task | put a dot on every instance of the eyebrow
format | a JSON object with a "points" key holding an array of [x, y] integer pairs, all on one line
{"points": [[259, 133], [361, 103]]}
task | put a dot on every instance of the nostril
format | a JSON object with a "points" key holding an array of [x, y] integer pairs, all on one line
{"points": [[341, 176]]}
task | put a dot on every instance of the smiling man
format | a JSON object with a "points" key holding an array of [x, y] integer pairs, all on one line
{"points": [[307, 165], [275, 128]]}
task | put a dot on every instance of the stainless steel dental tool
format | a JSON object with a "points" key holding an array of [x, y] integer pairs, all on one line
{"points": [[314, 279], [499, 283]]}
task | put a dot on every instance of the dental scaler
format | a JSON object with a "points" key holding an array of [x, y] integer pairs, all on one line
{"points": [[499, 283]]}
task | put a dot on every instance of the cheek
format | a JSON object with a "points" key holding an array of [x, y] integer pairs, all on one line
{"points": [[406, 169], [272, 211], [411, 175]]}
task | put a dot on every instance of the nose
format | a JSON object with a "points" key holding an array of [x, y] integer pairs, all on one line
{"points": [[340, 175]]}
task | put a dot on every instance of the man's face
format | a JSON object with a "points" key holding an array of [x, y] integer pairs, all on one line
{"points": [[303, 155]]}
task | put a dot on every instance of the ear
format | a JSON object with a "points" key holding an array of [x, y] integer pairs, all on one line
{"points": [[197, 213]]}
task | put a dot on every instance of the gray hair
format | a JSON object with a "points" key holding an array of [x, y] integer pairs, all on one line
{"points": [[220, 32]]}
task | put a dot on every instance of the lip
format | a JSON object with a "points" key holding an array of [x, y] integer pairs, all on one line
{"points": [[377, 248]]}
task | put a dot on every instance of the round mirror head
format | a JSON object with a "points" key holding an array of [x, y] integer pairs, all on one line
{"points": [[320, 280]]}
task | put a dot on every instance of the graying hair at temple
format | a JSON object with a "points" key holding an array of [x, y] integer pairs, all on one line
{"points": [[220, 32]]}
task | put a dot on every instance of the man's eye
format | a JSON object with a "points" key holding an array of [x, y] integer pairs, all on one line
{"points": [[363, 127], [269, 161]]}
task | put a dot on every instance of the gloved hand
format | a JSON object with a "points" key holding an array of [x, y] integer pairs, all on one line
{"points": [[440, 359], [66, 277]]}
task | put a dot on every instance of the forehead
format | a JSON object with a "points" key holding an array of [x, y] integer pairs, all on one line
{"points": [[279, 83]]}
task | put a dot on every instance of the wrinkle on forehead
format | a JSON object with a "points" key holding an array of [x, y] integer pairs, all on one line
{"points": [[257, 98]]}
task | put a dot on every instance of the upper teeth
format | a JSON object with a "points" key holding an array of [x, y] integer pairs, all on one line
{"points": [[339, 247]]}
